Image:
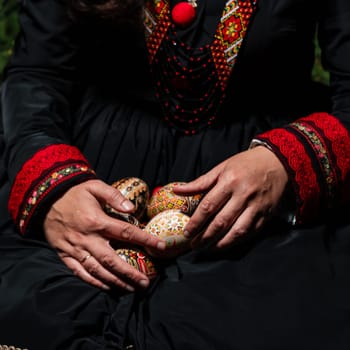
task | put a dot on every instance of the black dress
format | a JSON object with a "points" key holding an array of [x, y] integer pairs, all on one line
{"points": [[90, 86]]}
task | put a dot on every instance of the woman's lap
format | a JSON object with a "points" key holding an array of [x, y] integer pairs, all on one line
{"points": [[287, 290], [44, 306]]}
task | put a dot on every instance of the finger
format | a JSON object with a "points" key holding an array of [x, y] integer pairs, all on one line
{"points": [[109, 195], [244, 224], [123, 231], [80, 272], [200, 185], [88, 263], [221, 223], [107, 259], [94, 267], [209, 206]]}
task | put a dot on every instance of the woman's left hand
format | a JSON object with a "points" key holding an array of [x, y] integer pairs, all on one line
{"points": [[241, 193]]}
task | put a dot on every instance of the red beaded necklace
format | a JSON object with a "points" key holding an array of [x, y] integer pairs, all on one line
{"points": [[190, 81], [184, 13]]}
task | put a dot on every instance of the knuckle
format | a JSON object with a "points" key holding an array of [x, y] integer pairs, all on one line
{"points": [[230, 178], [226, 191], [219, 224], [148, 239], [91, 221], [206, 206], [93, 269], [130, 276], [247, 190], [108, 260], [127, 232], [240, 231]]}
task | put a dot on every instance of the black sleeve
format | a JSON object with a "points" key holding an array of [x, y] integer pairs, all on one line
{"points": [[334, 38], [316, 149], [39, 81], [40, 84]]}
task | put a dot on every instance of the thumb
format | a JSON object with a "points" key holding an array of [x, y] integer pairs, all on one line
{"points": [[107, 194]]}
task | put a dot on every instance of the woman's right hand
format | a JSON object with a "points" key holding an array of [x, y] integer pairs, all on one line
{"points": [[78, 228]]}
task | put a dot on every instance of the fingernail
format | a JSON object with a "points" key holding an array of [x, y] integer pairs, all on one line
{"points": [[161, 245], [104, 287], [144, 283], [127, 205], [130, 289], [187, 234]]}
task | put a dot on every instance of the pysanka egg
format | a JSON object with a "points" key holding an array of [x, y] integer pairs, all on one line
{"points": [[169, 225], [165, 199], [139, 260], [121, 216], [137, 191]]}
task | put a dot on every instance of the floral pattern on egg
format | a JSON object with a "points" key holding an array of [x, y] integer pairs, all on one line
{"points": [[165, 199], [139, 260], [137, 191], [169, 225]]}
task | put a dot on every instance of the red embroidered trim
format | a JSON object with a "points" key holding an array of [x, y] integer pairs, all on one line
{"points": [[48, 168], [229, 37], [156, 22], [326, 167], [330, 144], [292, 153], [338, 138]]}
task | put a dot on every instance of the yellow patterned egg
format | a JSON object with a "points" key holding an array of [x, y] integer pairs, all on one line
{"points": [[137, 191], [166, 199], [139, 260], [169, 225]]}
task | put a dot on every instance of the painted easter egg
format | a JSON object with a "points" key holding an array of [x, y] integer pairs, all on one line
{"points": [[139, 260], [165, 199], [137, 191], [122, 216], [169, 225]]}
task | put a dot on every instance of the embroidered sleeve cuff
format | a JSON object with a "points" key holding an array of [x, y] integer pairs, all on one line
{"points": [[45, 175], [315, 151]]}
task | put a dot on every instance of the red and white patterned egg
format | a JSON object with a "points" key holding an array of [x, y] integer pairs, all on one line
{"points": [[165, 199], [139, 260]]}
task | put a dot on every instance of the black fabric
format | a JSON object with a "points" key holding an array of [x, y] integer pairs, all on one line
{"points": [[36, 316], [284, 288], [283, 292]]}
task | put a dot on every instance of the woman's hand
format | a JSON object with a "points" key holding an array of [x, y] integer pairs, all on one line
{"points": [[241, 193], [77, 227]]}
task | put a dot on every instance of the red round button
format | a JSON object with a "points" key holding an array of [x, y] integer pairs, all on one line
{"points": [[183, 14]]}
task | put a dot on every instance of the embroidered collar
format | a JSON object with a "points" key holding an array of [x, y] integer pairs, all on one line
{"points": [[214, 61]]}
